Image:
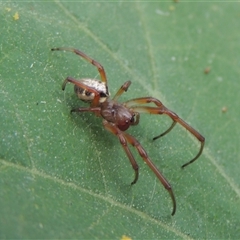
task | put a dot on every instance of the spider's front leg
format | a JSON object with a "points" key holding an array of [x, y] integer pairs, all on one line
{"points": [[125, 138], [161, 109], [114, 130]]}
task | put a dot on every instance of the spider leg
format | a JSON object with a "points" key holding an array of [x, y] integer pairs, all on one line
{"points": [[161, 109], [159, 175], [137, 115], [114, 130], [124, 138], [78, 83], [121, 90], [86, 57]]}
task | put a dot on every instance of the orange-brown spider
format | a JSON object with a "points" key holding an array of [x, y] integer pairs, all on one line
{"points": [[118, 117]]}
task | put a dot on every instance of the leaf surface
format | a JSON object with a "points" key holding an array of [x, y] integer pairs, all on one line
{"points": [[63, 175]]}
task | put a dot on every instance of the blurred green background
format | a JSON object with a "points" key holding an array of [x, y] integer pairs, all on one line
{"points": [[63, 175]]}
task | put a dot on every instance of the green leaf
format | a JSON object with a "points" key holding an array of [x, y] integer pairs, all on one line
{"points": [[63, 175]]}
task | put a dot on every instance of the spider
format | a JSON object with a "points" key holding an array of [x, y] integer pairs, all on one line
{"points": [[118, 117]]}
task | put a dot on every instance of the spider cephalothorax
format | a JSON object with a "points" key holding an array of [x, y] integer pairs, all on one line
{"points": [[118, 117]]}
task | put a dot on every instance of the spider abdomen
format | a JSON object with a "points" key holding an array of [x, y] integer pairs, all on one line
{"points": [[88, 96]]}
